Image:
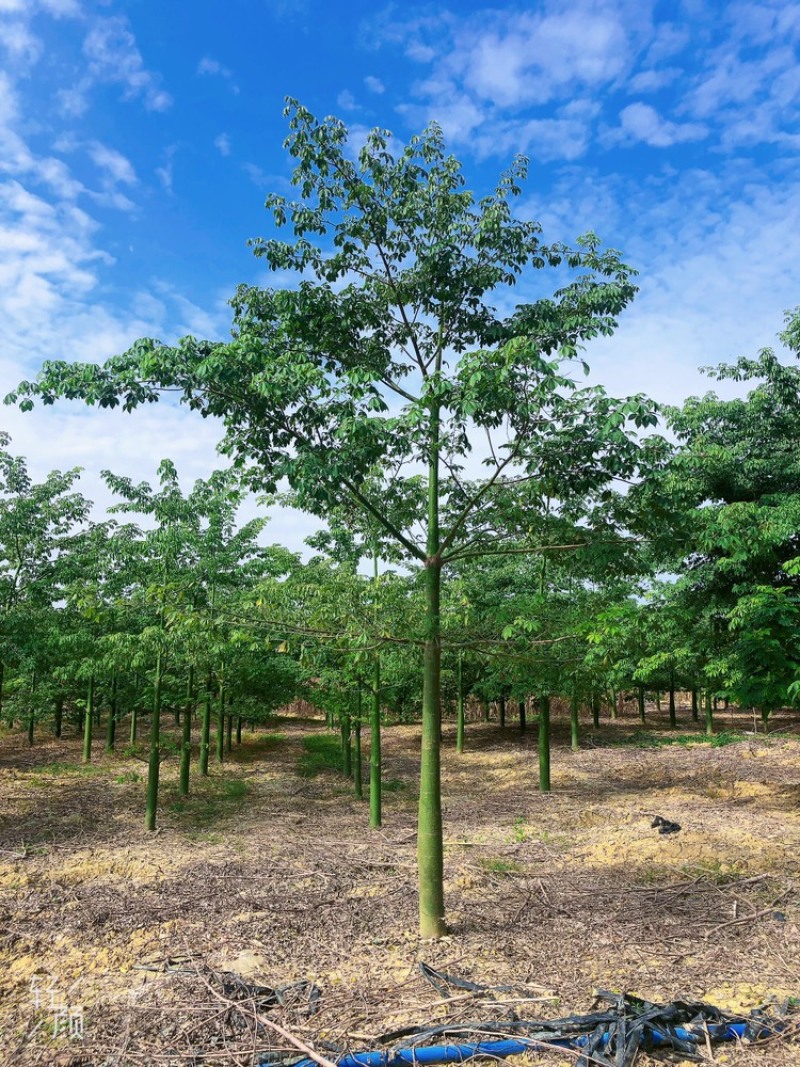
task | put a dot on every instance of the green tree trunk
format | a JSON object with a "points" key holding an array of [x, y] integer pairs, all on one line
{"points": [[238, 729], [613, 709], [221, 722], [673, 719], [87, 723], [32, 715], [695, 710], [375, 799], [658, 701], [359, 785], [596, 710], [111, 726], [522, 722], [347, 748], [502, 709], [205, 729], [574, 722], [544, 744], [486, 710], [2, 679], [709, 714], [154, 762], [229, 731], [430, 848], [640, 693], [134, 723], [460, 704], [59, 716], [186, 736]]}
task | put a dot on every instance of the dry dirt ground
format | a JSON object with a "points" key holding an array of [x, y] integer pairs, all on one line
{"points": [[277, 878]]}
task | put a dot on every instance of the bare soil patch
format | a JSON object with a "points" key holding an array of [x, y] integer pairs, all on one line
{"points": [[277, 878]]}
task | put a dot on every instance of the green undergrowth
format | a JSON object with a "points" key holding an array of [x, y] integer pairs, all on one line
{"points": [[647, 739], [60, 769], [211, 800], [500, 867], [267, 741], [321, 752]]}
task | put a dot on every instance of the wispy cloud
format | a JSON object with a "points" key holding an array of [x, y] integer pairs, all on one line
{"points": [[117, 166], [113, 58], [208, 67], [641, 122], [223, 144], [375, 85], [488, 72], [346, 101], [20, 44]]}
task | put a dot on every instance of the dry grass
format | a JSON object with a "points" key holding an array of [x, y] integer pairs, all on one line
{"points": [[277, 878]]}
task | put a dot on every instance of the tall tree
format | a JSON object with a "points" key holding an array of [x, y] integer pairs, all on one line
{"points": [[392, 354]]}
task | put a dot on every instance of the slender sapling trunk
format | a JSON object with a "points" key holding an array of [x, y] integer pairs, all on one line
{"points": [[186, 736], [375, 800], [359, 785], [205, 729], [154, 761], [460, 704], [87, 723], [544, 744], [574, 722], [111, 726]]}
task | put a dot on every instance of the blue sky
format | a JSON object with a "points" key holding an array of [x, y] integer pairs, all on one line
{"points": [[138, 141]]}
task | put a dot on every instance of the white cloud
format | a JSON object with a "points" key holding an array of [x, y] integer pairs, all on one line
{"points": [[61, 8], [213, 68], [20, 44], [669, 40], [456, 112], [346, 101], [375, 85], [501, 78], [74, 102], [357, 135], [641, 122], [749, 81], [223, 144], [563, 137], [117, 167], [650, 81], [165, 175], [716, 268], [114, 58]]}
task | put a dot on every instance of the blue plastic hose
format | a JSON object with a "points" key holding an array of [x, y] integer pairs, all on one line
{"points": [[511, 1047]]}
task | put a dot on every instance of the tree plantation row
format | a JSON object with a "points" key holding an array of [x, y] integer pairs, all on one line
{"points": [[491, 525]]}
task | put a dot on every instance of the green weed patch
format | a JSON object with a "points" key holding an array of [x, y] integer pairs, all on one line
{"points": [[322, 752]]}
